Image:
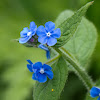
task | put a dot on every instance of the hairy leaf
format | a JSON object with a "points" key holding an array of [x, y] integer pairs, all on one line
{"points": [[69, 26], [43, 91], [82, 44]]}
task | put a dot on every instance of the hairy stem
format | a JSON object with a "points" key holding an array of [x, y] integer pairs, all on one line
{"points": [[53, 59], [78, 69]]}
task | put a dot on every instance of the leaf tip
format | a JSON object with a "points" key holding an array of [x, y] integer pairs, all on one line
{"points": [[91, 2]]}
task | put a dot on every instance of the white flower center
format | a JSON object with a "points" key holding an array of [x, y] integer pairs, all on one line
{"points": [[99, 94], [29, 33], [41, 70], [49, 34]]}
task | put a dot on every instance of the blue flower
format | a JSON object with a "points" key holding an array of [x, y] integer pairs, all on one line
{"points": [[46, 49], [48, 34], [41, 72], [27, 34], [95, 92]]}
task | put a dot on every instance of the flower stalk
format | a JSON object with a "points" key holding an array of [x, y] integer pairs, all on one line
{"points": [[53, 59]]}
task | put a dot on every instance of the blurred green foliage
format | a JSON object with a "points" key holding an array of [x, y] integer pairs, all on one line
{"points": [[15, 80]]}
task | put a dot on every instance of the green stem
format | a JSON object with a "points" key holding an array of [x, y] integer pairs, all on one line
{"points": [[53, 59], [78, 69]]}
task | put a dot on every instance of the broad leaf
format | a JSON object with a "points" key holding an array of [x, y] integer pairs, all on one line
{"points": [[82, 44], [43, 91], [69, 26]]}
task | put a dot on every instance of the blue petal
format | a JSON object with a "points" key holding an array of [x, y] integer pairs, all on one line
{"points": [[42, 78], [48, 54], [23, 40], [33, 33], [34, 77], [50, 26], [42, 39], [41, 31], [29, 67], [43, 47], [56, 33], [37, 65], [94, 92], [46, 49], [49, 74], [33, 27], [34, 70], [51, 41], [98, 98], [29, 61], [24, 32], [46, 67]]}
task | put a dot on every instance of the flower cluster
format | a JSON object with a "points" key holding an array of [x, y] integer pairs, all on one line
{"points": [[44, 35], [38, 37], [40, 71], [95, 92]]}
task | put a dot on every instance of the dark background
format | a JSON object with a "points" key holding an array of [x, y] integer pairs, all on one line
{"points": [[15, 81]]}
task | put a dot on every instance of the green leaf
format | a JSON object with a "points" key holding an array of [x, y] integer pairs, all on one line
{"points": [[69, 26], [82, 44], [77, 68], [43, 91]]}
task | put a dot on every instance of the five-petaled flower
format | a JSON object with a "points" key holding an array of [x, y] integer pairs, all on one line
{"points": [[40, 71], [95, 92], [48, 34], [27, 34]]}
